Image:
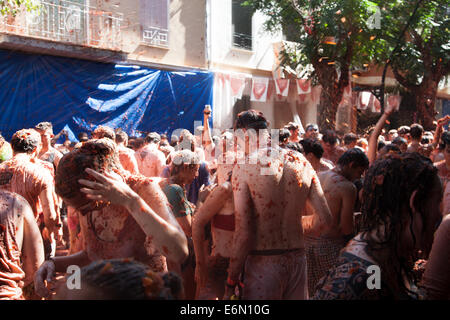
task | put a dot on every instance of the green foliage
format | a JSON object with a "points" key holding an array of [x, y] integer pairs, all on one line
{"points": [[13, 6], [310, 23]]}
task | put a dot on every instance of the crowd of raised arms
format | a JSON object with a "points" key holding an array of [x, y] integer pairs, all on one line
{"points": [[316, 215]]}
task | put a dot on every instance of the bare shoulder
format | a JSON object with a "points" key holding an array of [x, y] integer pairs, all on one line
{"points": [[347, 187]]}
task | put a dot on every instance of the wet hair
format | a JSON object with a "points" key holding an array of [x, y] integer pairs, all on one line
{"points": [[104, 132], [126, 279], [349, 138], [186, 142], [329, 136], [403, 130], [97, 154], [311, 126], [121, 136], [284, 135], [295, 146], [399, 141], [25, 141], [416, 131], [44, 126], [388, 186], [138, 143], [355, 156], [251, 119], [425, 140], [381, 145], [291, 126], [152, 137], [181, 160], [83, 136], [391, 148], [312, 146]]}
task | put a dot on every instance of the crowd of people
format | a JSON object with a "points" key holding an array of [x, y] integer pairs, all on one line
{"points": [[228, 216]]}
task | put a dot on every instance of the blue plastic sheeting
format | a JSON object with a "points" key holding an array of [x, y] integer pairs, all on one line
{"points": [[79, 95]]}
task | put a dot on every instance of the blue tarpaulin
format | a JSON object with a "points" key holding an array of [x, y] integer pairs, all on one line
{"points": [[79, 95]]}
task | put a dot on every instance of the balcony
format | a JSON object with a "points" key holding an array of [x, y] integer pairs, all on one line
{"points": [[67, 22], [154, 36]]}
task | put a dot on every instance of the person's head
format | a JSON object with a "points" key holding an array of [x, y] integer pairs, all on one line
{"points": [[381, 144], [350, 140], [329, 140], [284, 136], [83, 137], [403, 131], [416, 132], [294, 129], [353, 163], [363, 144], [184, 166], [295, 146], [388, 149], [26, 141], [138, 143], [104, 132], [401, 143], [401, 208], [45, 129], [153, 138], [123, 279], [392, 134], [311, 131], [164, 138], [121, 138], [252, 123], [312, 149], [97, 154], [186, 141], [174, 141], [445, 139]]}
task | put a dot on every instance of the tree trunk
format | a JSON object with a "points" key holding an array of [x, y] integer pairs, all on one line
{"points": [[425, 111], [327, 110]]}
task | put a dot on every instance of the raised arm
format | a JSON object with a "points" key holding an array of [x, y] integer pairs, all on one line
{"points": [[373, 139], [166, 234]]}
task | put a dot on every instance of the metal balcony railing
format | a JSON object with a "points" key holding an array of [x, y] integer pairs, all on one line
{"points": [[67, 21], [243, 41], [156, 36]]}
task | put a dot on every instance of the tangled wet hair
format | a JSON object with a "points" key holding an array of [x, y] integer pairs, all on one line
{"points": [[251, 119], [104, 132], [312, 146], [295, 146], [183, 159], [97, 154], [388, 187], [126, 279], [355, 156], [25, 141]]}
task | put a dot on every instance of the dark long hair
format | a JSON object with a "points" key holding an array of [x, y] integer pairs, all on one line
{"points": [[388, 187]]}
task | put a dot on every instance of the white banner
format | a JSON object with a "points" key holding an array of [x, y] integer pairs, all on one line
{"points": [[259, 89], [282, 87]]}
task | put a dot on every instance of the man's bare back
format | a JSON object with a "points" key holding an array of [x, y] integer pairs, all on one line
{"points": [[340, 194], [277, 198]]}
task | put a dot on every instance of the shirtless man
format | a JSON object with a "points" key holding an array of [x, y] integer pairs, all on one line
{"points": [[21, 248], [416, 134], [24, 174], [150, 160], [332, 152], [313, 152], [322, 247], [268, 236], [48, 153], [121, 216], [126, 155]]}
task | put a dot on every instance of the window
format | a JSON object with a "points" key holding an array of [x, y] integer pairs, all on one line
{"points": [[242, 25], [154, 18]]}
